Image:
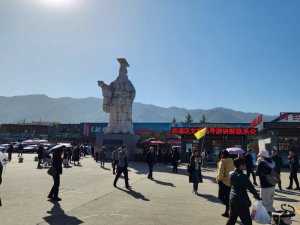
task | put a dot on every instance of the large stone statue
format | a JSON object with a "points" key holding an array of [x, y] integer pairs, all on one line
{"points": [[117, 100]]}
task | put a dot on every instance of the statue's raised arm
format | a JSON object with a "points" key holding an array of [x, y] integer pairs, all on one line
{"points": [[107, 96]]}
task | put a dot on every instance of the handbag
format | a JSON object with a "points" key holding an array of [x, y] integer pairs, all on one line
{"points": [[52, 171]]}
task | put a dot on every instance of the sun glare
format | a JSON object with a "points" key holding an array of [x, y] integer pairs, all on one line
{"points": [[60, 3]]}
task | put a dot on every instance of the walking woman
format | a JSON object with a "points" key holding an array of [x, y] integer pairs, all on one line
{"points": [[57, 164], [195, 175], [225, 166]]}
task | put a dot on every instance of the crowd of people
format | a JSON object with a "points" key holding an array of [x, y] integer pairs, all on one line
{"points": [[234, 183], [233, 173]]}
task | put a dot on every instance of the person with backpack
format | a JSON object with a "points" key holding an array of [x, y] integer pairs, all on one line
{"points": [[294, 167], [278, 163], [265, 170]]}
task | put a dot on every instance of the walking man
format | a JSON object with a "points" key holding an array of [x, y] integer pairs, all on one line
{"points": [[10, 151], [294, 167], [20, 150], [239, 199], [102, 157], [250, 166], [150, 159], [204, 157], [122, 167], [57, 164], [278, 163], [175, 158], [40, 153], [115, 159]]}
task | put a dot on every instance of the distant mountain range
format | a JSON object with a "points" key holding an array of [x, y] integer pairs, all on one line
{"points": [[75, 110]]}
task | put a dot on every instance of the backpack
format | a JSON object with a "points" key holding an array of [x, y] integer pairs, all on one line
{"points": [[273, 178]]}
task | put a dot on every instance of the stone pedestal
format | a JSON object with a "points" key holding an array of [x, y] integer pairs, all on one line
{"points": [[111, 141]]}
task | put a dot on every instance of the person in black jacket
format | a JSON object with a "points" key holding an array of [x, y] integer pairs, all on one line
{"points": [[267, 190], [150, 159], [294, 167], [195, 175], [175, 158], [40, 153], [10, 151], [239, 199], [250, 166], [278, 163], [57, 164]]}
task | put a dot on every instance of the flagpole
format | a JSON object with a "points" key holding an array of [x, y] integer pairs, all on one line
{"points": [[202, 143]]}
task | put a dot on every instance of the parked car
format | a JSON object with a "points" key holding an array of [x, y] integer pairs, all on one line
{"points": [[4, 147], [30, 148]]}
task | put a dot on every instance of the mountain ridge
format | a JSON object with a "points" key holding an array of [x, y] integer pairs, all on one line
{"points": [[40, 107]]}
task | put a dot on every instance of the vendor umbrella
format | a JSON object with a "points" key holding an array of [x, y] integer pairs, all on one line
{"points": [[157, 142], [235, 151]]}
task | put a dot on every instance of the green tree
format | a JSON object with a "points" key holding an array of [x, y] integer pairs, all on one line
{"points": [[203, 120], [174, 121], [188, 118]]}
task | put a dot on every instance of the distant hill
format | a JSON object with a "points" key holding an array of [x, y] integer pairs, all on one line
{"points": [[76, 110]]}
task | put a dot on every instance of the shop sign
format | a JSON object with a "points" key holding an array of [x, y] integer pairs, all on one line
{"points": [[256, 121], [215, 130], [289, 117], [86, 130]]}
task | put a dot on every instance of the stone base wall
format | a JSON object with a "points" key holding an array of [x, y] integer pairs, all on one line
{"points": [[111, 141]]}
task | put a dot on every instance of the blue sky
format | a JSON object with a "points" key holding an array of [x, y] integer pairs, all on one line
{"points": [[243, 55]]}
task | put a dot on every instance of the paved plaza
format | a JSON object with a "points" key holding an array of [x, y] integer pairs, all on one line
{"points": [[88, 196]]}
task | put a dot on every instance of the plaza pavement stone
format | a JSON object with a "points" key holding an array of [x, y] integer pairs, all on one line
{"points": [[88, 196]]}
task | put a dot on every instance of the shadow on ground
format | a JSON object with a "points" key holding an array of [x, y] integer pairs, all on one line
{"points": [[58, 217], [134, 194]]}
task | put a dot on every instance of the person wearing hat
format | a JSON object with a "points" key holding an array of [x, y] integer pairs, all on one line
{"points": [[267, 190], [278, 163]]}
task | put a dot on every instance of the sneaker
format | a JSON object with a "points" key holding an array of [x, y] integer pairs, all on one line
{"points": [[289, 188], [225, 214], [128, 187], [297, 188]]}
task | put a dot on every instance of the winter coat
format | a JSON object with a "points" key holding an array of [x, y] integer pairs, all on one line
{"points": [[225, 166]]}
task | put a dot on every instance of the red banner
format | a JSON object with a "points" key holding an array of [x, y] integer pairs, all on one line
{"points": [[215, 130], [256, 121]]}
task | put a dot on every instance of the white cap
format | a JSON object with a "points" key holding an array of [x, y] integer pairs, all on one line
{"points": [[274, 148], [264, 153]]}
